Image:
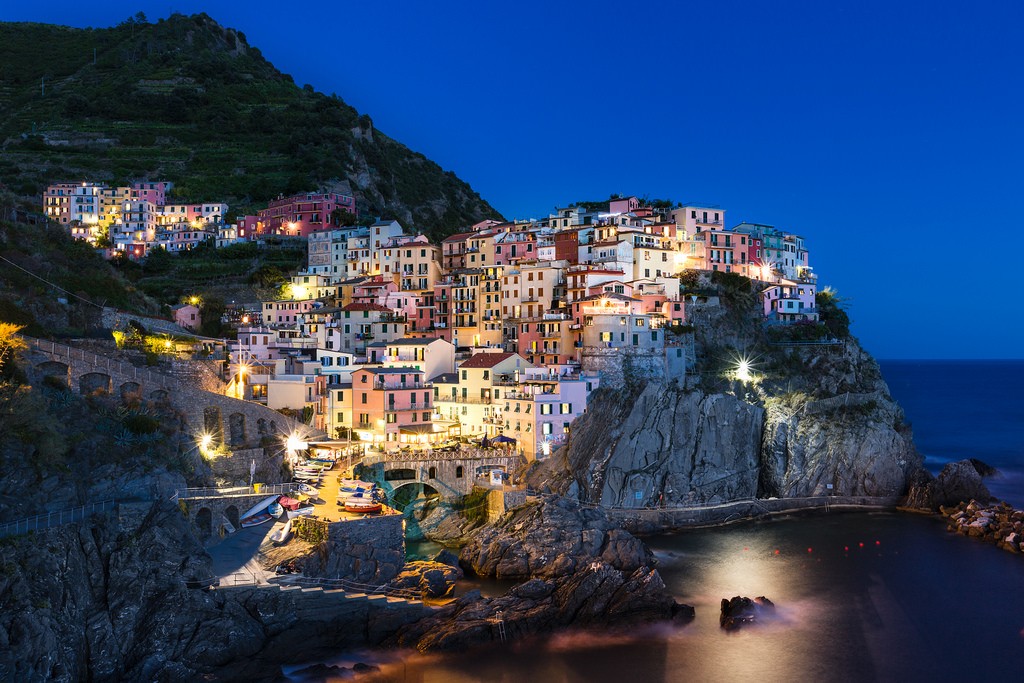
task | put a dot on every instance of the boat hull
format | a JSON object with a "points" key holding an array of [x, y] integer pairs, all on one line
{"points": [[362, 508]]}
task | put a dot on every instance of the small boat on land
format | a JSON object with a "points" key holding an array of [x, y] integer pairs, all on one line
{"points": [[275, 510], [362, 506], [256, 520], [282, 535], [258, 514], [310, 477], [300, 512], [308, 490]]}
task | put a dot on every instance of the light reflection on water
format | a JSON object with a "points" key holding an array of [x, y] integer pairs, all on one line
{"points": [[912, 603]]}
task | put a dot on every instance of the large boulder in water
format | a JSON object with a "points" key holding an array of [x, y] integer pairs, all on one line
{"points": [[743, 610], [957, 482]]}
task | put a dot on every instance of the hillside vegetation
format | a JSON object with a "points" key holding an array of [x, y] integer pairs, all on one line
{"points": [[187, 100]]}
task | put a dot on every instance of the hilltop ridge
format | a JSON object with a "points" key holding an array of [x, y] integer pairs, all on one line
{"points": [[191, 101]]}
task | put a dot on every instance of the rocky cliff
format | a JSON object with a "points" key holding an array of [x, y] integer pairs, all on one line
{"points": [[811, 422]]}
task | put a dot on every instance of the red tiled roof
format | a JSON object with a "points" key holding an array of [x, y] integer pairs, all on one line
{"points": [[486, 360]]}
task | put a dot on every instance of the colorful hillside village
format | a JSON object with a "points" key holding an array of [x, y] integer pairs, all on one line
{"points": [[500, 332]]}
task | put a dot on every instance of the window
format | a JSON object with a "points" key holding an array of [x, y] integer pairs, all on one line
{"points": [[545, 408], [458, 472], [464, 374], [487, 374], [606, 336], [364, 397], [426, 417], [545, 428], [566, 408], [432, 473]]}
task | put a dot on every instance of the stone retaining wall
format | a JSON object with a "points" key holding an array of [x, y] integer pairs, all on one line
{"points": [[370, 550]]}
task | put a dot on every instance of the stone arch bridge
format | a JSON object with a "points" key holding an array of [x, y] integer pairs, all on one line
{"points": [[452, 474], [231, 422]]}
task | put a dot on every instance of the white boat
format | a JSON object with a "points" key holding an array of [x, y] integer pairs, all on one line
{"points": [[357, 493], [308, 476], [256, 520], [282, 535], [308, 490], [260, 507], [299, 512]]}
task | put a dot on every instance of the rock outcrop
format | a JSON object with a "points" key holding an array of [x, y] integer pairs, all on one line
{"points": [[742, 610], [827, 427], [427, 579], [958, 482], [551, 538], [598, 595]]}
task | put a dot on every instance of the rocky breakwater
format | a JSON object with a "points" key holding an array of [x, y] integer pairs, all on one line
{"points": [[579, 571], [997, 523]]}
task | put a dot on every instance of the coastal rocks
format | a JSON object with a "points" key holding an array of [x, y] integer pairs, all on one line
{"points": [[550, 538], [596, 596], [996, 523], [957, 482], [660, 446], [834, 449], [742, 610], [429, 579]]}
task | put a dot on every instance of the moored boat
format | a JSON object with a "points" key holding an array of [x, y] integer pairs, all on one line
{"points": [[274, 510]]}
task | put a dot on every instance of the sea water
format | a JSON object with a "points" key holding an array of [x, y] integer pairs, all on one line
{"points": [[860, 596]]}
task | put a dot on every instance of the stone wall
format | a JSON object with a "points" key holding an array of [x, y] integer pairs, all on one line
{"points": [[619, 366], [370, 550], [113, 319], [499, 502], [233, 470]]}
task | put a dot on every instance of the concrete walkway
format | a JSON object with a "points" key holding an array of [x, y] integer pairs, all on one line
{"points": [[234, 558]]}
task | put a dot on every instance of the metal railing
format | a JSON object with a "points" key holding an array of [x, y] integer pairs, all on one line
{"points": [[54, 519], [234, 491]]}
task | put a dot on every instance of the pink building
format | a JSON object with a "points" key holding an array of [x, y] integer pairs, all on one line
{"points": [[623, 205], [392, 407], [187, 316], [300, 214]]}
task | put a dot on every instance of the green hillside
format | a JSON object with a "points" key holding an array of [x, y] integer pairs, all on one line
{"points": [[189, 101]]}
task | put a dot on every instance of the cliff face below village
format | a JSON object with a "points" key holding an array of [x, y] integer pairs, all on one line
{"points": [[828, 421]]}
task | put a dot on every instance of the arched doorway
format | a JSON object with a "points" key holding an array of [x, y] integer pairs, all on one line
{"points": [[232, 514], [204, 522]]}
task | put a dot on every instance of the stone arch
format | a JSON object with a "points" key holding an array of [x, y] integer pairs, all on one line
{"points": [[204, 522], [60, 372], [236, 429], [406, 495], [212, 424], [131, 391], [261, 426], [400, 474], [231, 512], [158, 395], [94, 383]]}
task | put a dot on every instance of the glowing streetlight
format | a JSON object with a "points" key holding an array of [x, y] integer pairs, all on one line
{"points": [[743, 371], [299, 292], [545, 448], [205, 442]]}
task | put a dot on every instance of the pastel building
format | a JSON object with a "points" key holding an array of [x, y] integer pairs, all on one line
{"points": [[301, 214], [392, 407]]}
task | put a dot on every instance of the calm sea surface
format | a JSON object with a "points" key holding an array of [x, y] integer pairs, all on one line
{"points": [[861, 596]]}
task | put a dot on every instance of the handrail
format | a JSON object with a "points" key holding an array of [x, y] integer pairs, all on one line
{"points": [[54, 519], [234, 491]]}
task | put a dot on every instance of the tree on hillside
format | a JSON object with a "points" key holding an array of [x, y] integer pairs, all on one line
{"points": [[832, 312], [10, 344]]}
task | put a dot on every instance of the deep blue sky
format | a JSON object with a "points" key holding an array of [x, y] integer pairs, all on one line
{"points": [[888, 134]]}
